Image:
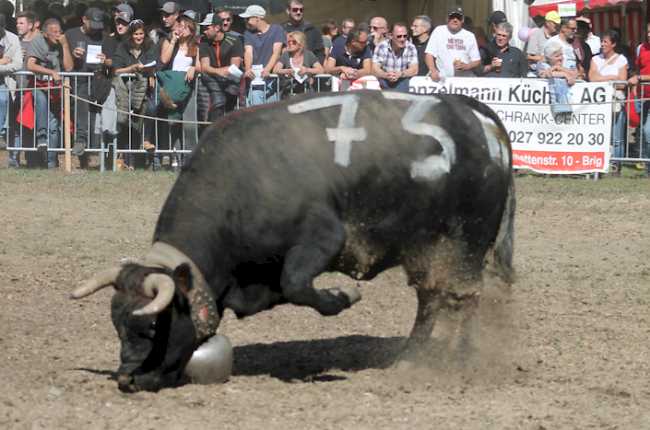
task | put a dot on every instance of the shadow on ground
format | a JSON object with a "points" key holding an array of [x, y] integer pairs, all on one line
{"points": [[307, 360]]}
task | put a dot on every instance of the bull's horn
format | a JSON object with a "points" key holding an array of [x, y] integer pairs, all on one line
{"points": [[104, 279], [162, 288]]}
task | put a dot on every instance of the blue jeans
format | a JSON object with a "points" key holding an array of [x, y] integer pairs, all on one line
{"points": [[47, 125], [619, 135], [399, 85], [4, 104], [261, 94], [643, 109]]}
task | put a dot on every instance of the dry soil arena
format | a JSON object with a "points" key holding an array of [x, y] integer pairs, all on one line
{"points": [[566, 347]]}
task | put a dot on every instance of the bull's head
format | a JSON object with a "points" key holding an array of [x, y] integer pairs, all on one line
{"points": [[162, 311]]}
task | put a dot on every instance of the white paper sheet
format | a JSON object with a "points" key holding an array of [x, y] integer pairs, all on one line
{"points": [[91, 54], [257, 69], [235, 73]]}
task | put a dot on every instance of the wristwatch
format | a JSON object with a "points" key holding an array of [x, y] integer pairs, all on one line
{"points": [[639, 77], [402, 75]]}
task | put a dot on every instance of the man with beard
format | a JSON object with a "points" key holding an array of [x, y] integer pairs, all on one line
{"points": [[87, 56], [262, 49], [295, 10], [419, 38], [572, 52], [395, 60], [499, 59], [218, 51], [226, 16]]}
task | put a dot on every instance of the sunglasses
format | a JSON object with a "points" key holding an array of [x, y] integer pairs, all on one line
{"points": [[136, 22], [456, 16], [375, 28], [226, 19], [401, 36], [292, 42], [573, 28], [297, 9]]}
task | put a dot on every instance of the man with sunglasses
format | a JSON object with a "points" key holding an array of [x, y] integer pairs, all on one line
{"points": [[296, 22], [226, 16], [572, 52], [352, 59], [452, 50], [262, 48], [395, 60]]}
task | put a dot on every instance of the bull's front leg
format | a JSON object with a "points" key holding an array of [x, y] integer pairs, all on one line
{"points": [[318, 241]]}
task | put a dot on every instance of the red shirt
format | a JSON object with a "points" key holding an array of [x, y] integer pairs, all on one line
{"points": [[643, 63]]}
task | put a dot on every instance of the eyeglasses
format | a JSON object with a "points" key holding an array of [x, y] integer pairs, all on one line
{"points": [[358, 41], [375, 28], [417, 25], [456, 16], [401, 36], [573, 28], [136, 22], [56, 33], [298, 9], [292, 42]]}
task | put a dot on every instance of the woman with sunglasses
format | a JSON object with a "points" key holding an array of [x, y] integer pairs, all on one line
{"points": [[297, 64], [137, 54]]}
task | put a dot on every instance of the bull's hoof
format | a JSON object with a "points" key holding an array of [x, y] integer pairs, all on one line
{"points": [[350, 291]]}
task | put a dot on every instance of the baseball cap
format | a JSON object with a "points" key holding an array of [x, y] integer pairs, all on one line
{"points": [[553, 16], [254, 10], [170, 7], [125, 16], [212, 19], [95, 17], [3, 21], [455, 9], [496, 17], [58, 9], [124, 7], [191, 15]]}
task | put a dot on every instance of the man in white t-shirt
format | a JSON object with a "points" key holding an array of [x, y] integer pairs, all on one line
{"points": [[564, 38], [452, 50]]}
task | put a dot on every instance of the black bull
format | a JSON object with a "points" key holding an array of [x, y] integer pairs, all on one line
{"points": [[275, 195]]}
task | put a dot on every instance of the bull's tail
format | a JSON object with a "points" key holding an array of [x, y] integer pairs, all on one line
{"points": [[504, 243]]}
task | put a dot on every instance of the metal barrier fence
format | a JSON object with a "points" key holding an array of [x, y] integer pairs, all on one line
{"points": [[158, 142], [631, 144]]}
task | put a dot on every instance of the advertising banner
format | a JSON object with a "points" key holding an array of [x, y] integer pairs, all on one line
{"points": [[543, 141]]}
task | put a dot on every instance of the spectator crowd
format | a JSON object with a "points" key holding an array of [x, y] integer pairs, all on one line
{"points": [[160, 62]]}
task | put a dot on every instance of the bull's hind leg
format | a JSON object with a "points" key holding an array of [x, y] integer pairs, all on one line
{"points": [[319, 238], [447, 283]]}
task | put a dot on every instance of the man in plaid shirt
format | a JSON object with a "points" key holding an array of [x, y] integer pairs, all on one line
{"points": [[395, 60]]}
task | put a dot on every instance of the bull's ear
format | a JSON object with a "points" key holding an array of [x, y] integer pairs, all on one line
{"points": [[183, 277]]}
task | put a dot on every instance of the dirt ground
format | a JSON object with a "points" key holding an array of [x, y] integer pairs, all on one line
{"points": [[565, 348]]}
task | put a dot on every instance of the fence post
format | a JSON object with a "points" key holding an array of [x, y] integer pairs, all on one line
{"points": [[66, 124]]}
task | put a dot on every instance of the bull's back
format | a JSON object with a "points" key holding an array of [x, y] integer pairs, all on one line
{"points": [[391, 165]]}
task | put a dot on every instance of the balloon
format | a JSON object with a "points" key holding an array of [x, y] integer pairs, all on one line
{"points": [[524, 33]]}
